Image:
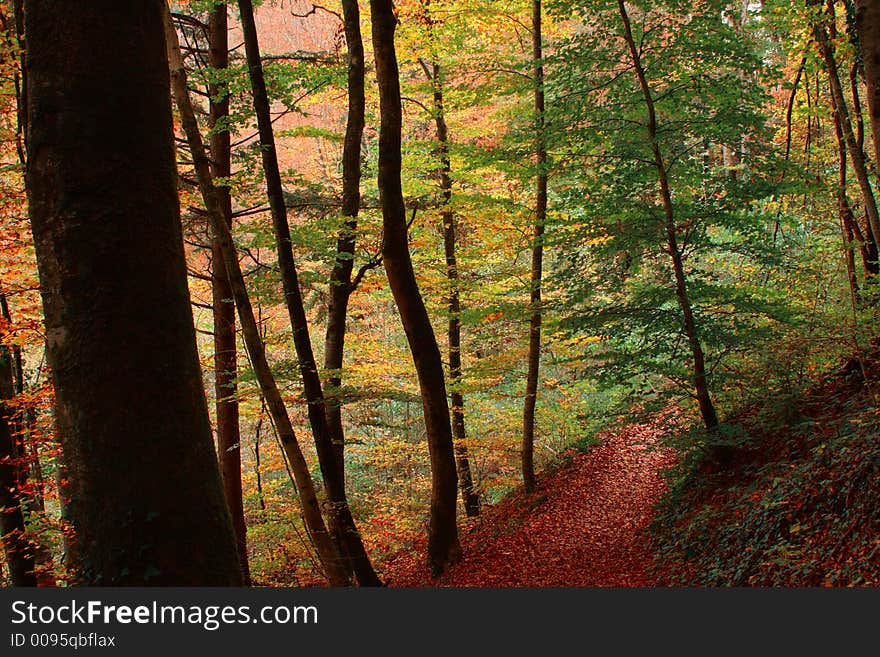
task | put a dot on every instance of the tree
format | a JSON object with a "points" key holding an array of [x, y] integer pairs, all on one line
{"points": [[314, 522], [701, 385], [146, 499], [341, 283], [435, 72], [443, 546], [868, 26], [534, 354], [225, 348], [13, 533], [342, 523], [664, 282], [819, 20]]}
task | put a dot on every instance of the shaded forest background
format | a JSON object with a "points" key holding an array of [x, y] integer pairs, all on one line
{"points": [[706, 247]]}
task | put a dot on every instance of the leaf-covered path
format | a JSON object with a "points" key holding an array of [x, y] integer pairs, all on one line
{"points": [[584, 526]]}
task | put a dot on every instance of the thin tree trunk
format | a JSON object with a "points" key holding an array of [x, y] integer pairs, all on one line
{"points": [[845, 213], [856, 154], [258, 472], [32, 496], [19, 551], [533, 358], [443, 545], [342, 525], [341, 285], [340, 277], [146, 499], [17, 421], [868, 26], [314, 521], [469, 496], [225, 348], [701, 386]]}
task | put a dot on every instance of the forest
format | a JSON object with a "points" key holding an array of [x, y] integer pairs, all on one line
{"points": [[485, 293]]}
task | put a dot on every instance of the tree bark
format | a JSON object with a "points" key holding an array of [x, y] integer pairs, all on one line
{"points": [[341, 285], [225, 347], [856, 153], [868, 27], [701, 386], [340, 277], [469, 496], [533, 358], [342, 524], [19, 551], [443, 545], [146, 499], [311, 508]]}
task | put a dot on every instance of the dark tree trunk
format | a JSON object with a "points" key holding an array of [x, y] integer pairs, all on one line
{"points": [[21, 427], [469, 496], [311, 508], [533, 359], [341, 522], [20, 553], [258, 471], [701, 385], [146, 499], [868, 26], [225, 348], [443, 546], [856, 153], [341, 285], [24, 443], [340, 277], [844, 212]]}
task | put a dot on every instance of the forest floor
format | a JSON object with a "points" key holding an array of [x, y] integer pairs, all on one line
{"points": [[585, 525], [797, 504]]}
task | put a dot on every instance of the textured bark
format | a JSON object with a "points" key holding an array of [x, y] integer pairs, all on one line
{"points": [[868, 26], [340, 277], [701, 386], [145, 493], [533, 358], [341, 285], [856, 153], [469, 496], [443, 545], [311, 508], [225, 348], [342, 524], [19, 552]]}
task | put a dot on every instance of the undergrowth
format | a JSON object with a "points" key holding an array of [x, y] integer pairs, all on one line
{"points": [[795, 503]]}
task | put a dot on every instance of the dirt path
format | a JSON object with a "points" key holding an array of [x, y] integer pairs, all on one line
{"points": [[585, 527]]}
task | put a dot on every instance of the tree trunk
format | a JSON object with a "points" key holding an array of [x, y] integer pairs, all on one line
{"points": [[533, 359], [341, 285], [469, 496], [146, 499], [868, 26], [443, 546], [21, 424], [701, 386], [19, 551], [340, 277], [342, 525], [844, 211], [856, 153], [311, 508], [225, 348]]}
